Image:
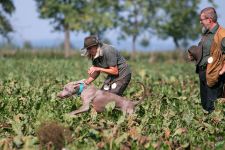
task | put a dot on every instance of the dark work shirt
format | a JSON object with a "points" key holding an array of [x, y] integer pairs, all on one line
{"points": [[206, 46], [110, 57]]}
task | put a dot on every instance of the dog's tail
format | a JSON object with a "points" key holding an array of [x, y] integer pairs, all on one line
{"points": [[144, 94]]}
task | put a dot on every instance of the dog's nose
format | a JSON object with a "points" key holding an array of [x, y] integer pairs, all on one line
{"points": [[59, 95]]}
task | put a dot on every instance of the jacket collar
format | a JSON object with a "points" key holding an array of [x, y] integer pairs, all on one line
{"points": [[98, 53], [214, 29]]}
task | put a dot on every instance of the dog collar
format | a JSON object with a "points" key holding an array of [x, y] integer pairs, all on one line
{"points": [[81, 88]]}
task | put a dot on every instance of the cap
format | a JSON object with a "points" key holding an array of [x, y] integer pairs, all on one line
{"points": [[89, 41], [196, 52]]}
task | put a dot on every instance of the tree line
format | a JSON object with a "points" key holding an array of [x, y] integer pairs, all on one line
{"points": [[177, 19]]}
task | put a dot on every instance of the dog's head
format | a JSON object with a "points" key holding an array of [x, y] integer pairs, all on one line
{"points": [[71, 89]]}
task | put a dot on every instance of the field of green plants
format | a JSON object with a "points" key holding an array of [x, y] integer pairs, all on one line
{"points": [[171, 117]]}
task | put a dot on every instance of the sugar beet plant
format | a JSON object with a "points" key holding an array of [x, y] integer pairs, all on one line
{"points": [[169, 118]]}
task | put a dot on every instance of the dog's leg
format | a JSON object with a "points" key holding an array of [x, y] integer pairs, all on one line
{"points": [[130, 111], [83, 108]]}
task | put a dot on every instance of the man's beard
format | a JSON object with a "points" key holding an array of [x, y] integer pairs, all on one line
{"points": [[204, 30]]}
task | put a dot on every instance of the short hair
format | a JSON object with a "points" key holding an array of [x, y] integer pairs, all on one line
{"points": [[210, 13]]}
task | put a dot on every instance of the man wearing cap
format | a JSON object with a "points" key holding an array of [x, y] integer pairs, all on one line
{"points": [[105, 58], [209, 56]]}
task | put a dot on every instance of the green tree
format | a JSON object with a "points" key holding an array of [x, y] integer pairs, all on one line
{"points": [[135, 18], [64, 15], [100, 16], [6, 8], [178, 19], [93, 17], [27, 45]]}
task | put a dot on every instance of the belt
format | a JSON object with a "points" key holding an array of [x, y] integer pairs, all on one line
{"points": [[203, 67]]}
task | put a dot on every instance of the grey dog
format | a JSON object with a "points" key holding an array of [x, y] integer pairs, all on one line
{"points": [[98, 98]]}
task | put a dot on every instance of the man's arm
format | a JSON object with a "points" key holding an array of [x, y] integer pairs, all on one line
{"points": [[223, 46], [92, 77], [110, 70], [222, 71]]}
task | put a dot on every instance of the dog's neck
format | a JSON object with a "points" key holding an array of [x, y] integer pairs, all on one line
{"points": [[81, 88], [88, 89]]}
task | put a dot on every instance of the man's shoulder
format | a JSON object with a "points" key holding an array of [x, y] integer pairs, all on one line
{"points": [[220, 34], [106, 48], [221, 31]]}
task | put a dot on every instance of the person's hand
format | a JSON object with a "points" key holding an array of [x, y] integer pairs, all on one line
{"points": [[93, 70], [222, 71], [190, 57]]}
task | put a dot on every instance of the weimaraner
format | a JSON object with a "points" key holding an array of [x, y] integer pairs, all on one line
{"points": [[98, 98]]}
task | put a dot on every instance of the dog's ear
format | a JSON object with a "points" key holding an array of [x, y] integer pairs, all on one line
{"points": [[76, 86], [77, 82], [70, 83], [81, 81]]}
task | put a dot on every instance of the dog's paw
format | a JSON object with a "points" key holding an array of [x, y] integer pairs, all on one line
{"points": [[69, 116], [72, 114]]}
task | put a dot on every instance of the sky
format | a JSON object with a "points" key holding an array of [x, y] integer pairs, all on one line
{"points": [[29, 27]]}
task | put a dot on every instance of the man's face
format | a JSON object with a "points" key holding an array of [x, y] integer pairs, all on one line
{"points": [[92, 50], [205, 22]]}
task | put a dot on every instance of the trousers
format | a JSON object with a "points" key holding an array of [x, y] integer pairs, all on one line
{"points": [[121, 85], [209, 94]]}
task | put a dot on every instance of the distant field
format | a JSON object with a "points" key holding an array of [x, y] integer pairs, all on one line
{"points": [[171, 117]]}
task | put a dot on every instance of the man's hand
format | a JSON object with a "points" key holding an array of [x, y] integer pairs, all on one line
{"points": [[222, 71], [93, 70], [190, 57], [92, 77]]}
